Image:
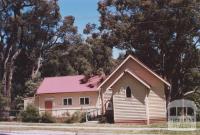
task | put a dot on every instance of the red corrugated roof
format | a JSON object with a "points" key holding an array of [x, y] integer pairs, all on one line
{"points": [[68, 84]]}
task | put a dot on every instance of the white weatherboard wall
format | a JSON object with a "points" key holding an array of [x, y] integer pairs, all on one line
{"points": [[127, 109], [59, 109], [146, 104], [157, 102]]}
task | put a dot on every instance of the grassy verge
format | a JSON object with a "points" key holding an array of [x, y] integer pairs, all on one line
{"points": [[163, 125], [159, 132], [77, 127]]}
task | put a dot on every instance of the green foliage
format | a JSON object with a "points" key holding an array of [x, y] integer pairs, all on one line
{"points": [[102, 52], [44, 44], [28, 29], [3, 104], [31, 87], [18, 103], [103, 58], [28, 89], [103, 120], [158, 32], [78, 59], [47, 118], [77, 117], [68, 120], [198, 115], [50, 68], [30, 114]]}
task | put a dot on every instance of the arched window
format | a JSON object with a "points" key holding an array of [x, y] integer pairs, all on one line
{"points": [[128, 92]]}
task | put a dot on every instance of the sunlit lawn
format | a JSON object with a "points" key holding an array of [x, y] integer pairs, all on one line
{"points": [[41, 126]]}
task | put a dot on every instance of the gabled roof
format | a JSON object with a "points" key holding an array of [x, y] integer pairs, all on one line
{"points": [[141, 64], [68, 84], [133, 75]]}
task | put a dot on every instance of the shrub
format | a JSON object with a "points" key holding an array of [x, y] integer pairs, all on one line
{"points": [[82, 117], [102, 120], [65, 114], [109, 116], [68, 120], [76, 117], [47, 118], [3, 107], [31, 114], [198, 115]]}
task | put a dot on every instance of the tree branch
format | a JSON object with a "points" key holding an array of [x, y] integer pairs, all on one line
{"points": [[193, 91]]}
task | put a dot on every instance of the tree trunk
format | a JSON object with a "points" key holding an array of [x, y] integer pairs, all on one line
{"points": [[7, 79], [5, 72], [168, 96], [36, 68], [4, 82]]}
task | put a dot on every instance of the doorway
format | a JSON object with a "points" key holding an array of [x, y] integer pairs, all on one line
{"points": [[48, 106], [109, 111]]}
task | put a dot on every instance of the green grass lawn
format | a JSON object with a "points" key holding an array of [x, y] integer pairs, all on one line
{"points": [[73, 128], [160, 125]]}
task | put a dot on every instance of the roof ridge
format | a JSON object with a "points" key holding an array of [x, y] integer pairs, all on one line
{"points": [[63, 76], [72, 83], [138, 76], [140, 63], [69, 76]]}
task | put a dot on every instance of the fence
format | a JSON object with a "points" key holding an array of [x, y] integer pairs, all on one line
{"points": [[91, 113]]}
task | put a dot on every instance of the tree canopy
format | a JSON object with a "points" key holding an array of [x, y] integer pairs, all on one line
{"points": [[164, 34], [36, 42]]}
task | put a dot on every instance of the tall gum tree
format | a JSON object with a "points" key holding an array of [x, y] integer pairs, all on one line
{"points": [[26, 25], [164, 34]]}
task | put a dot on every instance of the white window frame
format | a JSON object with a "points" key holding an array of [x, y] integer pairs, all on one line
{"points": [[84, 100], [67, 101]]}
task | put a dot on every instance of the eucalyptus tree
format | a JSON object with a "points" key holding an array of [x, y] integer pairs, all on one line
{"points": [[164, 34], [28, 26]]}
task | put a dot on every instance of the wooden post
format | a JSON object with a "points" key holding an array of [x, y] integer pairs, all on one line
{"points": [[147, 106], [102, 103], [86, 119]]}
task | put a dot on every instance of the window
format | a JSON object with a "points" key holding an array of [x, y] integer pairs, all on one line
{"points": [[128, 92], [173, 111], [84, 101], [67, 101], [190, 111], [180, 111]]}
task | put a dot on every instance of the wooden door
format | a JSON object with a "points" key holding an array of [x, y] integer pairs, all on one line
{"points": [[48, 106], [109, 111]]}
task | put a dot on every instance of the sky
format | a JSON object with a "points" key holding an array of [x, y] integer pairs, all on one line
{"points": [[84, 11]]}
